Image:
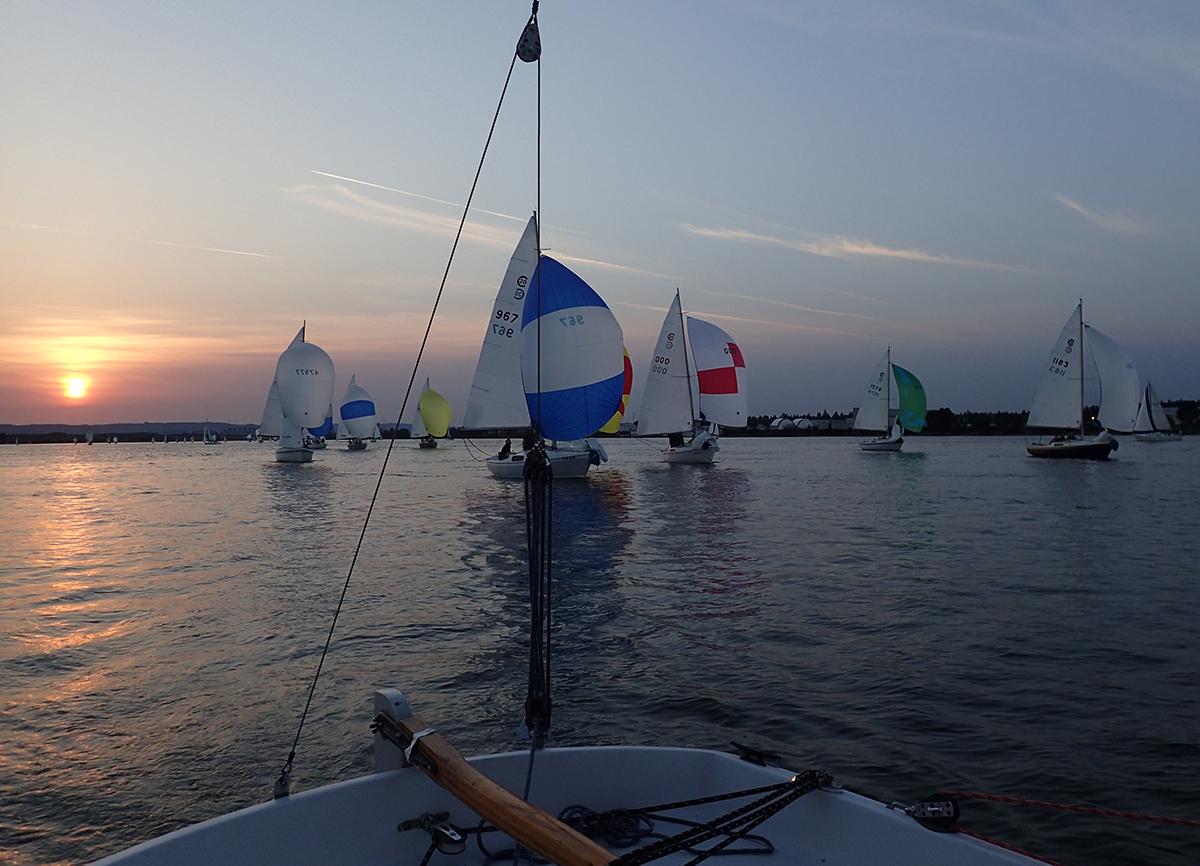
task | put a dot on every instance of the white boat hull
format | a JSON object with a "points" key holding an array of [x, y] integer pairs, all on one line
{"points": [[293, 455], [1151, 438], [355, 822], [566, 464], [887, 444]]}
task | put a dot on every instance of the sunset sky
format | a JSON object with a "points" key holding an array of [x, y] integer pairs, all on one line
{"points": [[182, 184]]}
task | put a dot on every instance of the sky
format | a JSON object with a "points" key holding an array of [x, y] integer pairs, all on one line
{"points": [[181, 185]]}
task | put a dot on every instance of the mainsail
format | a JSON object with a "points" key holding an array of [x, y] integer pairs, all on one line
{"points": [[357, 412], [720, 373], [1058, 403], [1151, 417], [272, 415], [304, 374], [571, 355], [496, 398], [434, 411], [1120, 385], [873, 413], [912, 400], [667, 401]]}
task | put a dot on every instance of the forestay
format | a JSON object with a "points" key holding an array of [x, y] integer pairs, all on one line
{"points": [[1058, 403], [873, 413], [304, 374], [666, 401], [720, 374], [1120, 384], [357, 412], [571, 355], [912, 400], [496, 398]]}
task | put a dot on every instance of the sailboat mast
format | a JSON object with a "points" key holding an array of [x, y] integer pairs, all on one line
{"points": [[887, 383], [687, 370], [1081, 366]]}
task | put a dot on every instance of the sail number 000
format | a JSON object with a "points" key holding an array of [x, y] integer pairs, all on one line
{"points": [[661, 362]]}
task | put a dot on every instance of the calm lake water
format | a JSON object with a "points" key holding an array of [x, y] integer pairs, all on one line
{"points": [[956, 616]]}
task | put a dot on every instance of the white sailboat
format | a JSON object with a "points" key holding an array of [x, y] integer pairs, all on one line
{"points": [[1152, 424], [304, 374], [875, 414], [89, 437], [210, 438], [1059, 402], [358, 416], [498, 397], [272, 415], [691, 390]]}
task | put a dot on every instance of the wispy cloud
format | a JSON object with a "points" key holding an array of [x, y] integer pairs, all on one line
{"points": [[842, 247], [580, 260], [203, 249], [768, 323], [33, 227], [1119, 222], [418, 195]]}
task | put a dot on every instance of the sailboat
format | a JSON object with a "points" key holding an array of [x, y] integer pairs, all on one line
{"points": [[272, 415], [614, 423], [304, 375], [692, 389], [433, 417], [426, 800], [358, 416], [1059, 401], [316, 437], [210, 438], [876, 411], [1152, 424], [88, 438], [500, 395]]}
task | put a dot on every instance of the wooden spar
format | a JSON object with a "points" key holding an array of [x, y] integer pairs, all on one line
{"points": [[533, 828]]}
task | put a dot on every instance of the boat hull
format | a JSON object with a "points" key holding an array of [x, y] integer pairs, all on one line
{"points": [[293, 455], [566, 464], [889, 446], [1151, 438], [1096, 448], [356, 445], [428, 443], [354, 822], [689, 455]]}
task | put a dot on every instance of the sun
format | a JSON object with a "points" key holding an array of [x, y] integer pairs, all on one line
{"points": [[76, 387]]}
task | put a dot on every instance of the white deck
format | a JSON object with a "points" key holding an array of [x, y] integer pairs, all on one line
{"points": [[355, 822]]}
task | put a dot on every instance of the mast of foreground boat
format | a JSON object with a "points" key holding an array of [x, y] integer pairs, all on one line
{"points": [[887, 384], [687, 372]]}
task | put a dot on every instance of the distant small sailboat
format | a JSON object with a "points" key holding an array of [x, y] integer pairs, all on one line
{"points": [[88, 438], [433, 417], [876, 411], [695, 383], [1152, 424], [210, 438], [1059, 402], [304, 375], [113, 440], [358, 416]]}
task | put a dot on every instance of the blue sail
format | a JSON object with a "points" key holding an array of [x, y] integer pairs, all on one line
{"points": [[324, 430], [573, 380]]}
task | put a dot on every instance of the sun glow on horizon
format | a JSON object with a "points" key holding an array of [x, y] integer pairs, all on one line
{"points": [[75, 387]]}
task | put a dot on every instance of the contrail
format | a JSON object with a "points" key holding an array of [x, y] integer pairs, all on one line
{"points": [[204, 249], [503, 216]]}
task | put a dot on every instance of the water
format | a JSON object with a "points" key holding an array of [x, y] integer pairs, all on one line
{"points": [[960, 617]]}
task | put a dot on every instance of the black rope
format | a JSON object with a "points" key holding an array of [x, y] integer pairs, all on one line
{"points": [[283, 783]]}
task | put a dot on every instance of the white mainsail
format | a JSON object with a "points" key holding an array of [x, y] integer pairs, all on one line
{"points": [[272, 414], [497, 398], [1120, 384], [418, 423], [720, 374], [304, 374], [1058, 403], [668, 400], [1151, 418], [873, 413]]}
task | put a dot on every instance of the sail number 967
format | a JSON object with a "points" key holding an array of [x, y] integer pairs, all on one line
{"points": [[505, 330], [571, 321]]}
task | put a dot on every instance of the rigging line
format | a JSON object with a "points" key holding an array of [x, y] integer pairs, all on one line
{"points": [[283, 783]]}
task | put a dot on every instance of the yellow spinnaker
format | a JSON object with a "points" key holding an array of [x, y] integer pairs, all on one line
{"points": [[614, 423], [435, 412]]}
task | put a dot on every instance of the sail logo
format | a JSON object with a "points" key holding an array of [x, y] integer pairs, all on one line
{"points": [[1070, 344], [519, 291]]}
